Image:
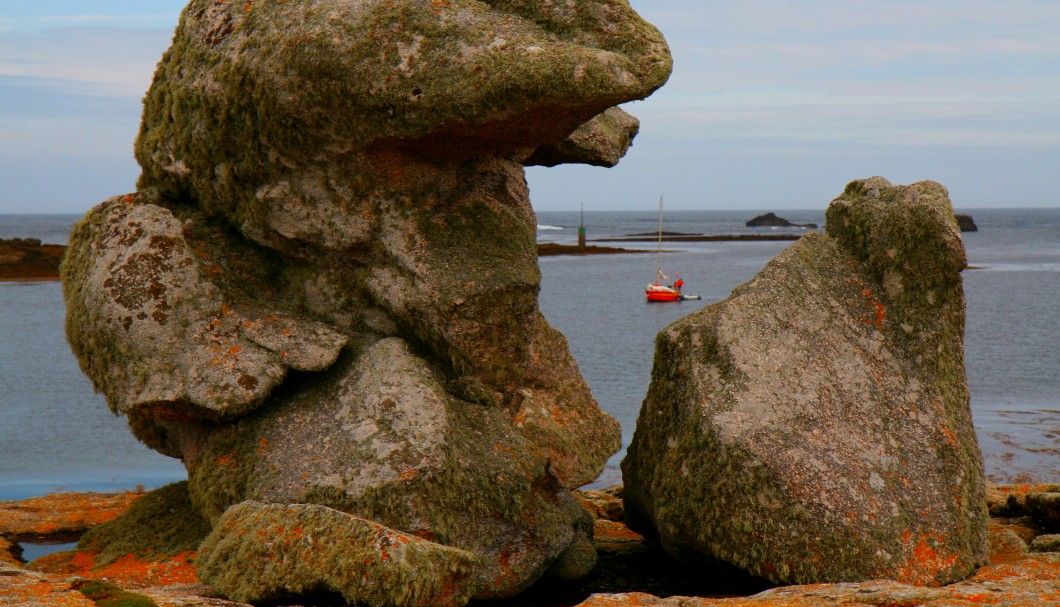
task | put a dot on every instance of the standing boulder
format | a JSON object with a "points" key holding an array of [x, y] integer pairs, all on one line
{"points": [[815, 426], [323, 297]]}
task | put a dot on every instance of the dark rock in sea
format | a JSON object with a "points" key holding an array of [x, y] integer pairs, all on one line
{"points": [[664, 234], [28, 259], [323, 297], [815, 426], [771, 220], [966, 223]]}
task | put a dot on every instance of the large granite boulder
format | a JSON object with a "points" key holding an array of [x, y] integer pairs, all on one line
{"points": [[815, 425], [323, 297]]}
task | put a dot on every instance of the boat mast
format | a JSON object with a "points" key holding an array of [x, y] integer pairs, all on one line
{"points": [[658, 260]]}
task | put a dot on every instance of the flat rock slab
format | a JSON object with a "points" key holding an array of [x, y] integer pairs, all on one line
{"points": [[60, 516]]}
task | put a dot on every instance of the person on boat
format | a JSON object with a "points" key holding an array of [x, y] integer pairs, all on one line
{"points": [[679, 283]]}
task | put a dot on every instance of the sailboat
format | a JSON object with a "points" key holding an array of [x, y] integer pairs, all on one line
{"points": [[658, 291]]}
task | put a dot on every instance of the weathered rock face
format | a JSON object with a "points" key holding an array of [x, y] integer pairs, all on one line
{"points": [[815, 426], [602, 141], [323, 298], [261, 119]]}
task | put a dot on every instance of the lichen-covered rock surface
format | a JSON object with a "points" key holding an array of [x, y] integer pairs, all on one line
{"points": [[323, 296], [258, 108], [815, 427], [632, 570]]}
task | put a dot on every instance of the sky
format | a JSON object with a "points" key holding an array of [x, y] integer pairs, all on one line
{"points": [[772, 104]]}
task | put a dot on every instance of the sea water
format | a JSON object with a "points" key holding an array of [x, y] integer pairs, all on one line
{"points": [[56, 433], [1012, 352]]}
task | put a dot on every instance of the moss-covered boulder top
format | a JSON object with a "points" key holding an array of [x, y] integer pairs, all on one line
{"points": [[815, 427], [251, 90]]}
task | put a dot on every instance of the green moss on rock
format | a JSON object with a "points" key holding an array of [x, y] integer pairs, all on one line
{"points": [[814, 427], [249, 98], [106, 594], [161, 524], [379, 438], [270, 551], [343, 305]]}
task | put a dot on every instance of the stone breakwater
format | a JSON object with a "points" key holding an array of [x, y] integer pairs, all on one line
{"points": [[1024, 567]]}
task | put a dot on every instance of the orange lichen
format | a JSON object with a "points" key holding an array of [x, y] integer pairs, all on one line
{"points": [[926, 562], [130, 570], [60, 514], [29, 590], [949, 438], [611, 531]]}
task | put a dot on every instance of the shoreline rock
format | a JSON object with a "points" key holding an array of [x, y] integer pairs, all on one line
{"points": [[547, 249], [61, 517], [632, 570], [27, 259], [702, 238]]}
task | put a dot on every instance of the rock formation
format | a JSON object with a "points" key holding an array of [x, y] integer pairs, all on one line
{"points": [[1024, 562], [815, 426], [770, 220], [323, 296], [966, 223]]}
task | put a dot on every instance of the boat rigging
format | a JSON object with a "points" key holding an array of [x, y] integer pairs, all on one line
{"points": [[659, 291]]}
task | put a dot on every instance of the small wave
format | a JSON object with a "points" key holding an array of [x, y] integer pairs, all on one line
{"points": [[542, 228]]}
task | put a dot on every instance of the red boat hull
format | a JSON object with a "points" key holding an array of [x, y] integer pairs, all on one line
{"points": [[662, 293]]}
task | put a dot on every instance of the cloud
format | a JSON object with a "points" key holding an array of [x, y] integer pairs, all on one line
{"points": [[99, 61], [867, 73], [94, 20]]}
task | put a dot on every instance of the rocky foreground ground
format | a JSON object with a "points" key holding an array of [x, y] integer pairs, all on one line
{"points": [[1024, 567]]}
